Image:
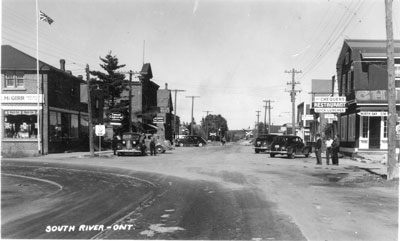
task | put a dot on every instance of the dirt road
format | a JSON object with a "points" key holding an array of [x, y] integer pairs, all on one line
{"points": [[228, 192]]}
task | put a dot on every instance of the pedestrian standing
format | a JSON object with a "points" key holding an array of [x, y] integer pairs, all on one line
{"points": [[328, 144], [318, 150], [335, 150], [153, 145]]}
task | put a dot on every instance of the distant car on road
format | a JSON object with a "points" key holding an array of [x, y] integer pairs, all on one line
{"points": [[190, 141], [263, 143], [290, 146], [131, 143]]}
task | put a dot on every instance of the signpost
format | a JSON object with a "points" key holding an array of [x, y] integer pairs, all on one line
{"points": [[100, 131]]}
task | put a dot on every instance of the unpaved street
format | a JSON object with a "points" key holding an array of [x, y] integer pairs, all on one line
{"points": [[214, 192]]}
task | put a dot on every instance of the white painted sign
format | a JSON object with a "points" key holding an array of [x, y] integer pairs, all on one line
{"points": [[307, 117], [330, 99], [21, 98], [100, 130], [330, 110], [329, 116], [372, 113]]}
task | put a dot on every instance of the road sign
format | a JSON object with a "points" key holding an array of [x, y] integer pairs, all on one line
{"points": [[158, 119], [373, 113], [100, 130]]}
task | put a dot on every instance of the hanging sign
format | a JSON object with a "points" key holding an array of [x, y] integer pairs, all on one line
{"points": [[372, 113], [100, 130]]}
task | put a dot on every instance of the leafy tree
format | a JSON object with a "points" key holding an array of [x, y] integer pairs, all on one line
{"points": [[216, 124], [111, 82]]}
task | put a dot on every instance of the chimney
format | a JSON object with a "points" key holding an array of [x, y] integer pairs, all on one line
{"points": [[62, 64], [166, 86]]}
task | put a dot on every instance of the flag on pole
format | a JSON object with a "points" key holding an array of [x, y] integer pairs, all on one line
{"points": [[45, 18]]}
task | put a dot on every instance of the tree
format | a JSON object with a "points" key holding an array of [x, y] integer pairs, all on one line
{"points": [[111, 82], [214, 124]]}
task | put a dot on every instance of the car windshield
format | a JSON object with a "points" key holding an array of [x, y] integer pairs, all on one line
{"points": [[134, 137]]}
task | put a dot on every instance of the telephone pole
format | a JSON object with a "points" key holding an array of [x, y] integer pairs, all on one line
{"points": [[205, 119], [293, 92], [176, 91], [90, 124], [130, 100], [258, 120], [267, 106], [191, 120], [392, 118]]}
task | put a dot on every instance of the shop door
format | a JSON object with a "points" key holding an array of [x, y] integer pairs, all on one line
{"points": [[374, 132]]}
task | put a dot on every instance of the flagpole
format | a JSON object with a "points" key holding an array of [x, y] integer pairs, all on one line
{"points": [[38, 77]]}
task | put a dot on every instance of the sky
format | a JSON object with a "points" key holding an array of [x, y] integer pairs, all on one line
{"points": [[232, 54]]}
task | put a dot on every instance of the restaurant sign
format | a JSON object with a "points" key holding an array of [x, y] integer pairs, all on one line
{"points": [[329, 104]]}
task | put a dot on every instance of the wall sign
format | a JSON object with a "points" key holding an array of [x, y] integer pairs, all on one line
{"points": [[375, 96], [21, 98], [372, 113]]}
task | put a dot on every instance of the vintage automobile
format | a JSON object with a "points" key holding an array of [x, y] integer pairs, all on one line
{"points": [[263, 143], [131, 143], [190, 141], [162, 145], [290, 146]]}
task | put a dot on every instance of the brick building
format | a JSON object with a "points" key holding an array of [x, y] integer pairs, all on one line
{"points": [[362, 79], [63, 117]]}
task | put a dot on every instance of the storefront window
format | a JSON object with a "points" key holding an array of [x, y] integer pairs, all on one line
{"points": [[74, 126], [343, 128], [365, 127], [352, 127], [20, 124], [55, 126], [385, 134]]}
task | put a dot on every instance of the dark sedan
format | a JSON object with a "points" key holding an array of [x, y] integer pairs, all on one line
{"points": [[190, 141], [290, 146], [263, 143]]}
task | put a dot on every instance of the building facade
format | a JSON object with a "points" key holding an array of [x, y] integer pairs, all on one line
{"points": [[63, 118], [363, 80], [165, 116]]}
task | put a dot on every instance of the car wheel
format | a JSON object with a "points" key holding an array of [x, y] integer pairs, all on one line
{"points": [[272, 155], [257, 151], [159, 149], [180, 144], [307, 155], [291, 155], [200, 144], [119, 154]]}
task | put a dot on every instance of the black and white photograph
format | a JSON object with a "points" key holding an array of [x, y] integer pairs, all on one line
{"points": [[200, 120]]}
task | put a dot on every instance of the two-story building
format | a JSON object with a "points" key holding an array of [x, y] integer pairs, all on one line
{"points": [[363, 80], [63, 118]]}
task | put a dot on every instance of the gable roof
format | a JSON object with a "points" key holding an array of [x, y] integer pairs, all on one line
{"points": [[362, 46], [164, 98], [12, 58]]}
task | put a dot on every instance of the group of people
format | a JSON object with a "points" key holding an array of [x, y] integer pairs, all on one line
{"points": [[332, 149]]}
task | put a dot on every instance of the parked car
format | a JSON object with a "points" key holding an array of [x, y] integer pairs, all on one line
{"points": [[190, 141], [162, 145], [290, 146], [263, 143], [131, 143]]}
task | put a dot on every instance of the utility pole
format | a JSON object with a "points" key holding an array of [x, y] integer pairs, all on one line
{"points": [[91, 147], [191, 120], [268, 106], [176, 91], [205, 119], [258, 120], [130, 100], [293, 92], [391, 93]]}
